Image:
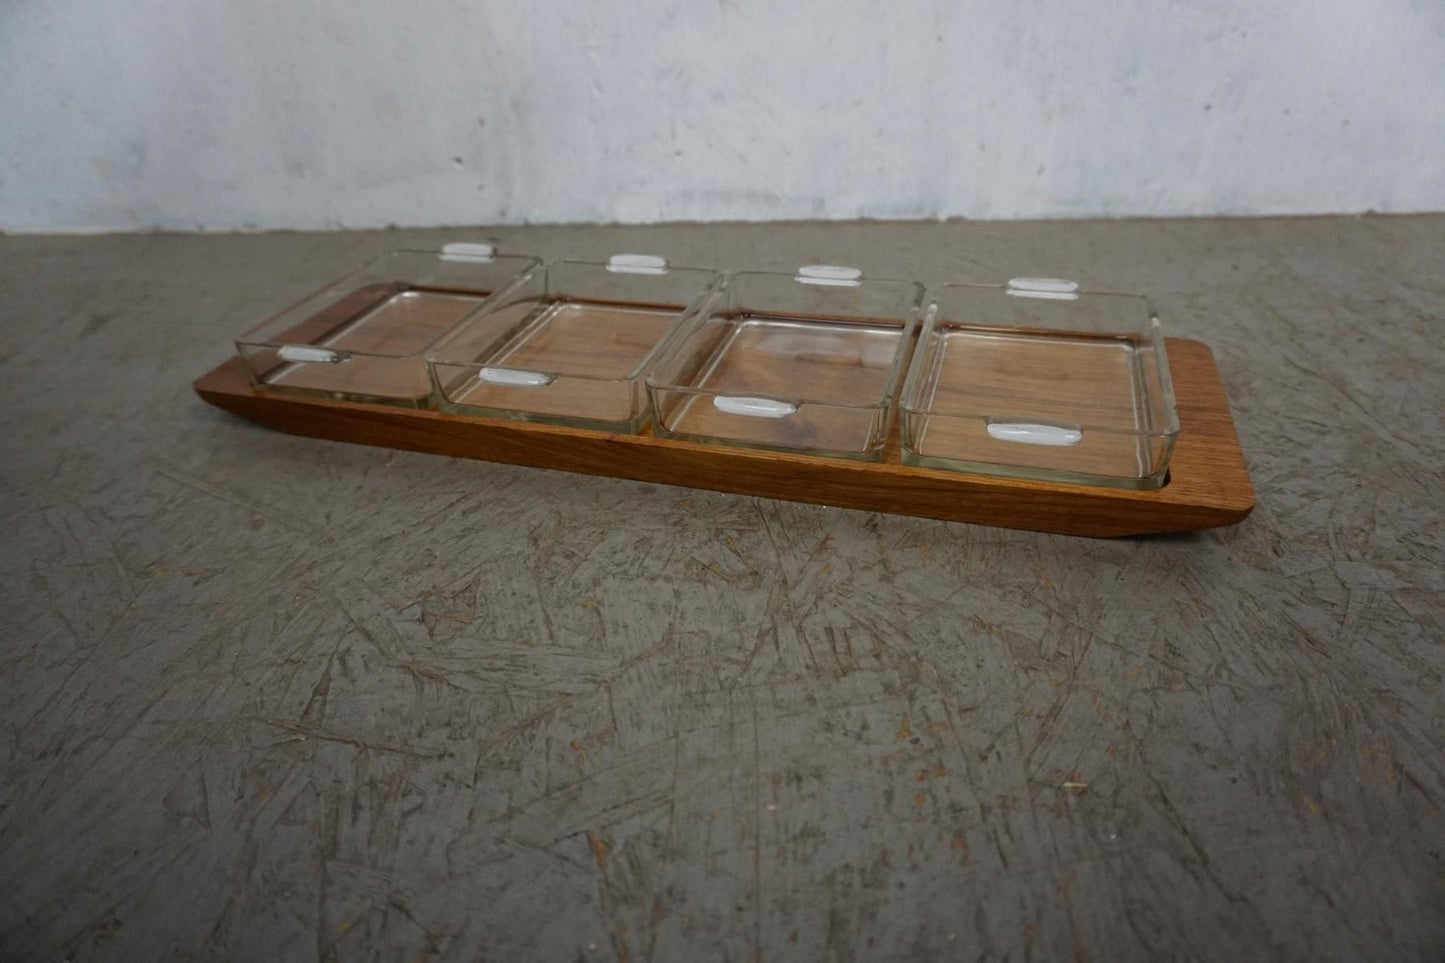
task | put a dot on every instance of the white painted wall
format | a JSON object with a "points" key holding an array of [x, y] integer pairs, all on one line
{"points": [[220, 114]]}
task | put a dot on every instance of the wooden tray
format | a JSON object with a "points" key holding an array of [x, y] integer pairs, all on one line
{"points": [[1208, 482]]}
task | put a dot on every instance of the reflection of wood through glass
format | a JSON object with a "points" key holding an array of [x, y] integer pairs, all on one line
{"points": [[833, 370], [1107, 385], [593, 348], [592, 340], [394, 321]]}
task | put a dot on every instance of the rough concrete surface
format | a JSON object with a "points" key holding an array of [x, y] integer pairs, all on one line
{"points": [[269, 698]]}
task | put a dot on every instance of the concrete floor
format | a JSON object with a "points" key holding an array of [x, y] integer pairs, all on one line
{"points": [[268, 698]]}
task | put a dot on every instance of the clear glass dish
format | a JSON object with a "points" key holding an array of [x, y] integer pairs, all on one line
{"points": [[361, 338], [806, 362], [1038, 380], [569, 343]]}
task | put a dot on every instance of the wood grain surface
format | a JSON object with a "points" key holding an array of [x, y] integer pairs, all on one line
{"points": [[1208, 486]]}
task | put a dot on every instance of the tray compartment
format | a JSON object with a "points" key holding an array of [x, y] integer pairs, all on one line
{"points": [[1037, 380], [794, 362], [362, 337], [570, 345]]}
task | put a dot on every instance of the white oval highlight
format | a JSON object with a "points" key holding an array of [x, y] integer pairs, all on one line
{"points": [[1027, 434], [637, 264], [834, 274], [468, 251], [1051, 289], [754, 407], [514, 378], [306, 354]]}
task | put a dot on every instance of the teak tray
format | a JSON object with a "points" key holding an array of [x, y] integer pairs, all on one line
{"points": [[1208, 483]]}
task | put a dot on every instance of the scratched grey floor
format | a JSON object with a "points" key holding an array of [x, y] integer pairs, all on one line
{"points": [[267, 698]]}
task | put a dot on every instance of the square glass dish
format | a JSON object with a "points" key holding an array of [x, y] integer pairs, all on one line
{"points": [[1038, 380], [806, 362], [361, 338], [568, 343]]}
